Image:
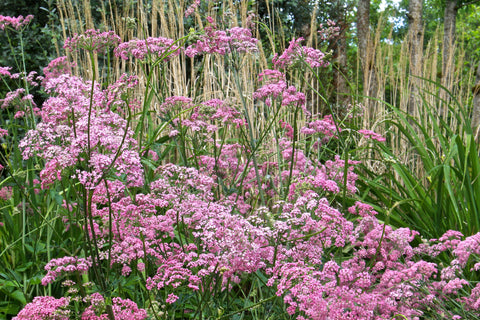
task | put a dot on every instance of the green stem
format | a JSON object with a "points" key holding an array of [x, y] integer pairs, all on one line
{"points": [[249, 307], [90, 107], [94, 253], [253, 152], [253, 145], [25, 83], [110, 229], [293, 152]]}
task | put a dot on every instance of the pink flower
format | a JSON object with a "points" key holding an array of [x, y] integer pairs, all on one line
{"points": [[362, 209], [5, 192], [92, 40], [325, 129], [123, 309], [120, 95], [3, 132], [42, 308], [14, 22], [56, 68], [171, 298], [270, 90], [296, 53], [140, 49], [66, 265], [223, 42], [288, 129], [275, 87], [330, 31], [452, 286], [191, 8], [368, 134], [5, 71], [467, 247]]}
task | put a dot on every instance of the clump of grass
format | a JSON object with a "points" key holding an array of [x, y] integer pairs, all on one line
{"points": [[443, 196]]}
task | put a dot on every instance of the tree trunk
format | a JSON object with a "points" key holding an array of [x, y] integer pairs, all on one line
{"points": [[476, 106], [366, 53], [341, 71], [340, 57], [415, 41], [363, 31], [449, 29]]}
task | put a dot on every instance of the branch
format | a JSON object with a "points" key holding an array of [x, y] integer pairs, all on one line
{"points": [[466, 4]]}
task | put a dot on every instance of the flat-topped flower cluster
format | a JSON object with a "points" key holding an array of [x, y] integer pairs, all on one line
{"points": [[205, 230]]}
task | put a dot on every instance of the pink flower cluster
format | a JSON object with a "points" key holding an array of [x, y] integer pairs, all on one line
{"points": [[362, 209], [61, 138], [369, 134], [56, 68], [328, 32], [275, 87], [3, 132], [93, 41], [31, 78], [46, 307], [227, 166], [383, 278], [222, 42], [5, 192], [5, 71], [20, 101], [191, 8], [123, 309], [14, 22], [202, 119], [203, 230], [296, 53], [120, 95], [326, 178], [159, 47], [325, 127], [65, 266], [42, 308]]}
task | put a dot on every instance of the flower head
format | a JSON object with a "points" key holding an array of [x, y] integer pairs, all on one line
{"points": [[15, 22], [294, 53], [140, 49], [45, 308], [369, 134], [93, 41], [223, 41]]}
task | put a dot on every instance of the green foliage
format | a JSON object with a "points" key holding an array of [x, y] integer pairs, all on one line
{"points": [[31, 234], [36, 46], [34, 233], [468, 26], [293, 16], [442, 195], [40, 37]]}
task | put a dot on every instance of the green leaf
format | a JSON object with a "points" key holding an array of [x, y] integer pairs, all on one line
{"points": [[7, 307], [25, 266], [18, 295], [56, 196]]}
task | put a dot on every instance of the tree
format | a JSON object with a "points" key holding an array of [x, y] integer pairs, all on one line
{"points": [[449, 27], [293, 16], [476, 106], [449, 36], [338, 14], [365, 52], [363, 30], [415, 42]]}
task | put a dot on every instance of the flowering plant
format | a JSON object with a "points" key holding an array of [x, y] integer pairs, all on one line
{"points": [[243, 220]]}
